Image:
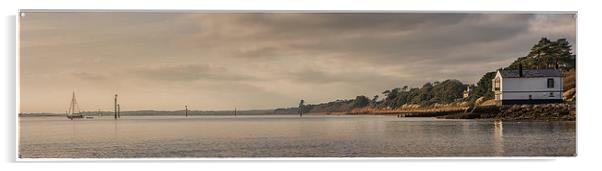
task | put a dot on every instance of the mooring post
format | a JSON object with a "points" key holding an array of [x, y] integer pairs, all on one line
{"points": [[118, 111], [301, 107], [186, 110], [115, 105]]}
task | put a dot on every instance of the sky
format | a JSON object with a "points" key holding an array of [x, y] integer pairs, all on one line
{"points": [[219, 61]]}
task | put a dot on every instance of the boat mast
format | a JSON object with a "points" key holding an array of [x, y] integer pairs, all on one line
{"points": [[73, 105]]}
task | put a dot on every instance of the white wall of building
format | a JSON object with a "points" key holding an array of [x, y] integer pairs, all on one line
{"points": [[534, 95], [530, 84], [521, 88]]}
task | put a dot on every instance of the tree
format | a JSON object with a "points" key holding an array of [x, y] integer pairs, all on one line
{"points": [[426, 94], [547, 54], [361, 101], [447, 91], [563, 54], [404, 88], [386, 93], [390, 96], [375, 98], [442, 92], [483, 88], [393, 93]]}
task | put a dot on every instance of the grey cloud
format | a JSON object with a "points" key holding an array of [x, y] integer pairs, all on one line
{"points": [[322, 77], [261, 53], [376, 38], [425, 42], [89, 76], [189, 72], [321, 24]]}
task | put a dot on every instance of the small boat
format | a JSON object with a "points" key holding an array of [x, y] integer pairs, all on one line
{"points": [[74, 112]]}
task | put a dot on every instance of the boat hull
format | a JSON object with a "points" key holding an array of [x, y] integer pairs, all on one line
{"points": [[75, 116]]}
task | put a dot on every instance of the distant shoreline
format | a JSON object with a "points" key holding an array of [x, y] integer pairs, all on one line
{"points": [[538, 112], [122, 114]]}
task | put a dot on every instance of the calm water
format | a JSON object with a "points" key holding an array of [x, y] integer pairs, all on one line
{"points": [[290, 136]]}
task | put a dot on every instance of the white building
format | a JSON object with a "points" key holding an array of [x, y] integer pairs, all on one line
{"points": [[527, 86], [466, 92]]}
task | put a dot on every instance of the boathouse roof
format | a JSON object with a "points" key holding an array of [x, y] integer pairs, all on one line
{"points": [[530, 73]]}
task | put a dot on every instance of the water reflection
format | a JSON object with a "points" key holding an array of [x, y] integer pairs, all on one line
{"points": [[365, 136], [498, 137], [115, 128], [73, 129]]}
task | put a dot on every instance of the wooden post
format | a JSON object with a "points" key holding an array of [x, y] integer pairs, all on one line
{"points": [[186, 110], [118, 111], [301, 107], [115, 105]]}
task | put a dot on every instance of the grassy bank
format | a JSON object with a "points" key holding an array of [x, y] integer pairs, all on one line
{"points": [[413, 110]]}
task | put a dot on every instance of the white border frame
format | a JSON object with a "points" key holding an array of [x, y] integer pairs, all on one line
{"points": [[460, 158]]}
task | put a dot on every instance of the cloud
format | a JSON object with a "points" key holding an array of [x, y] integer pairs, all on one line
{"points": [[562, 24], [323, 77], [426, 41], [189, 72], [89, 76]]}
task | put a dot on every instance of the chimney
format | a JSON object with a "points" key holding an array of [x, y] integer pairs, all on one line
{"points": [[520, 70], [556, 67]]}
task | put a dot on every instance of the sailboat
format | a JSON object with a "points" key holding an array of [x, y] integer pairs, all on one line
{"points": [[73, 111]]}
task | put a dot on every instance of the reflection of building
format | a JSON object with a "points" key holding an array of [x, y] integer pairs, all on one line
{"points": [[498, 137], [527, 86], [467, 92]]}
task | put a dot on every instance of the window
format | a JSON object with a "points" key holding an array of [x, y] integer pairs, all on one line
{"points": [[551, 94], [497, 84], [550, 83]]}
